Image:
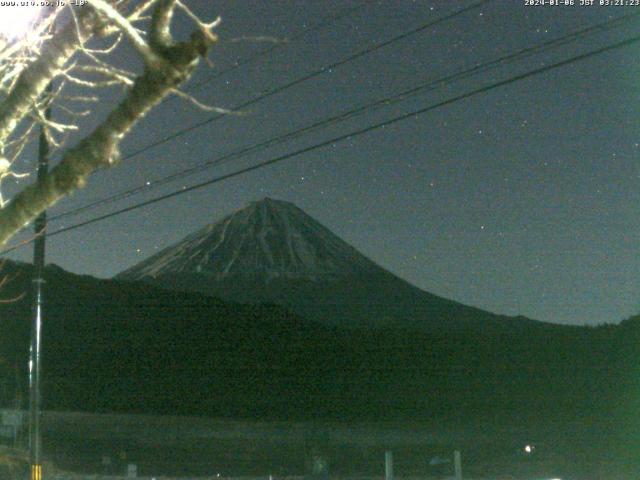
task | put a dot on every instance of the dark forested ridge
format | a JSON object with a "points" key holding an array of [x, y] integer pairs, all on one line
{"points": [[131, 347]]}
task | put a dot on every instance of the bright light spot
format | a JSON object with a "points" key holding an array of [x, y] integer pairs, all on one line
{"points": [[16, 21], [528, 448]]}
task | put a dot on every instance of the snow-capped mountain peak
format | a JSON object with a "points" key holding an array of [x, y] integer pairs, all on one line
{"points": [[267, 239]]}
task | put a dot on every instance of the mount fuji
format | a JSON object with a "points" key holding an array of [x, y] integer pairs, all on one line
{"points": [[273, 252]]}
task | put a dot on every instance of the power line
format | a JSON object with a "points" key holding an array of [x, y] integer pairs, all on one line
{"points": [[422, 88], [327, 21], [306, 77], [340, 138]]}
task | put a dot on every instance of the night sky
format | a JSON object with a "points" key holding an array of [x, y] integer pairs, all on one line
{"points": [[521, 200]]}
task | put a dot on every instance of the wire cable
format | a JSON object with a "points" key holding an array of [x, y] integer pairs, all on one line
{"points": [[362, 131], [304, 78], [422, 88], [327, 21]]}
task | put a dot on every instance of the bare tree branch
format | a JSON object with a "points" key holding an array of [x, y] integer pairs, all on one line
{"points": [[202, 106], [139, 12], [127, 29], [160, 32], [5, 171], [167, 66], [35, 77]]}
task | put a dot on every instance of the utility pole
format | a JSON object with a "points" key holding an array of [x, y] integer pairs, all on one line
{"points": [[35, 372], [457, 465], [388, 465]]}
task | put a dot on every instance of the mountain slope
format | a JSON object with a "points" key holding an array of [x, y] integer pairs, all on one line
{"points": [[271, 251]]}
